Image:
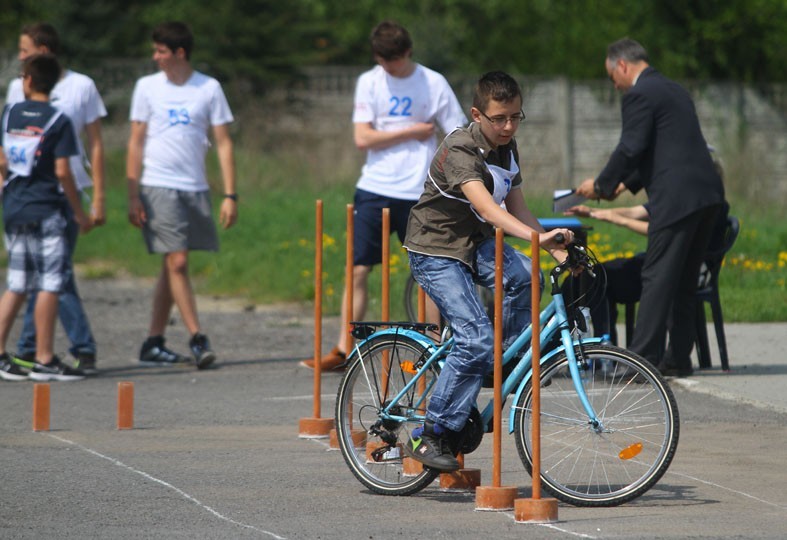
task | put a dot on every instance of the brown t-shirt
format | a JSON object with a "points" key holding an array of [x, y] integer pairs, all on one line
{"points": [[442, 222]]}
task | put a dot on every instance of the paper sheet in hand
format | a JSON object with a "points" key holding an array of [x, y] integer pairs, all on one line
{"points": [[564, 199]]}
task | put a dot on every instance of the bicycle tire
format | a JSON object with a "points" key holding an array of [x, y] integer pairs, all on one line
{"points": [[411, 298], [362, 391], [639, 415]]}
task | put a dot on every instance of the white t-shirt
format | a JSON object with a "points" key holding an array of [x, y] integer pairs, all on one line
{"points": [[76, 95], [178, 119], [392, 103]]}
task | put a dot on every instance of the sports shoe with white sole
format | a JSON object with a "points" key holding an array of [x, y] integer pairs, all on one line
{"points": [[9, 371], [55, 370], [154, 353]]}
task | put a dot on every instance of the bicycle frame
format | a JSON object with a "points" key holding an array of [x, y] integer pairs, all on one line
{"points": [[553, 319]]}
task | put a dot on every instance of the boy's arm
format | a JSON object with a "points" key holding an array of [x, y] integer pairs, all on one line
{"points": [[368, 138], [96, 152], [136, 145], [228, 215], [63, 173], [516, 220]]}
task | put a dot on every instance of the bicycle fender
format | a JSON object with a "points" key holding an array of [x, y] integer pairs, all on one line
{"points": [[412, 334], [544, 360]]}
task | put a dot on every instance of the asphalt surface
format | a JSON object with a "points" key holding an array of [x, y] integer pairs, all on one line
{"points": [[216, 453]]}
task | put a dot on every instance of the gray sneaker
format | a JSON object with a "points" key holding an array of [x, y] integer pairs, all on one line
{"points": [[9, 371], [431, 449], [200, 348], [55, 370], [154, 353], [86, 362]]}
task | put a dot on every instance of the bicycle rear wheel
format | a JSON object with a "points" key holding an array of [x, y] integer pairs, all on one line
{"points": [[627, 454], [372, 445]]}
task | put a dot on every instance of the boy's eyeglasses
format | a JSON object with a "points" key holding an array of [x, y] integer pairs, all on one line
{"points": [[501, 121]]}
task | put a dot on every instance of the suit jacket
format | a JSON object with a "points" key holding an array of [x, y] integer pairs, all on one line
{"points": [[662, 149]]}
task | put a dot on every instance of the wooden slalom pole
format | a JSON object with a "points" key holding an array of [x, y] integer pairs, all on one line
{"points": [[125, 412], [536, 509], [316, 427], [497, 497], [41, 407]]}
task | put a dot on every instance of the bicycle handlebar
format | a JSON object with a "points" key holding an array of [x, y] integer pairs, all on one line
{"points": [[578, 259]]}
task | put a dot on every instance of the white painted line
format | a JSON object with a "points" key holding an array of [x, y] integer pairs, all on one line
{"points": [[166, 485], [708, 388], [550, 526], [725, 488], [323, 397]]}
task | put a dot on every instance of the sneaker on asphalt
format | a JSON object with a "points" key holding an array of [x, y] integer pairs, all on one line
{"points": [[154, 353], [333, 361], [431, 449], [86, 362], [200, 348], [24, 360], [9, 371], [55, 370]]}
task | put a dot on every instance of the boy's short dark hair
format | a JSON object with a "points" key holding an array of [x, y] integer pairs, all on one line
{"points": [[43, 35], [497, 86], [44, 72], [390, 40], [175, 35], [626, 49]]}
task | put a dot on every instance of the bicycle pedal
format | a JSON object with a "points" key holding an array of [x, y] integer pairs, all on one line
{"points": [[387, 453]]}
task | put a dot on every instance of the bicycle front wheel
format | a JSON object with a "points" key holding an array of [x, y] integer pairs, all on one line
{"points": [[622, 457], [371, 442]]}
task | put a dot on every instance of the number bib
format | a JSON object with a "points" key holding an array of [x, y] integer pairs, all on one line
{"points": [[21, 149]]}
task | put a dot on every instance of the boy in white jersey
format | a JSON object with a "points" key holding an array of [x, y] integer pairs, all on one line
{"points": [[76, 96], [398, 103], [172, 112]]}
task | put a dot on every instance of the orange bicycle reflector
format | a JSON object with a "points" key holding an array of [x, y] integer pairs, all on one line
{"points": [[408, 367], [631, 451]]}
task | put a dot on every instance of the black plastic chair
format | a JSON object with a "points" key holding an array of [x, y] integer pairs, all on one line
{"points": [[708, 291]]}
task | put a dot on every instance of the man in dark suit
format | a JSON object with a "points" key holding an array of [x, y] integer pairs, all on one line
{"points": [[662, 149]]}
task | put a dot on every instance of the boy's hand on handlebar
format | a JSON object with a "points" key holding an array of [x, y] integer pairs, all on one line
{"points": [[556, 239]]}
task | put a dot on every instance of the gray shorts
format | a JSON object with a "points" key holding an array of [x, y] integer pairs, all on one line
{"points": [[37, 255], [178, 220]]}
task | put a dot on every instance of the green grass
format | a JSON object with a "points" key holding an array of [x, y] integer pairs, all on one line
{"points": [[268, 257]]}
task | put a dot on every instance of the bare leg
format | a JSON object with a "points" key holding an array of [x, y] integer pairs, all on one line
{"points": [[177, 267], [360, 300], [10, 304], [45, 317], [162, 303]]}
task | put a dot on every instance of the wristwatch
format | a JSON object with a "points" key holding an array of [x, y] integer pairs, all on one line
{"points": [[233, 196]]}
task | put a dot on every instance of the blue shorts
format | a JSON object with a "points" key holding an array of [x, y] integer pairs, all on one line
{"points": [[38, 255], [368, 225]]}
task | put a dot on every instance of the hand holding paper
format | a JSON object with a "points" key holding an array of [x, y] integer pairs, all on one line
{"points": [[564, 199]]}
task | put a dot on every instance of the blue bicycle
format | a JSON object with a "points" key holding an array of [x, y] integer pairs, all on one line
{"points": [[609, 421]]}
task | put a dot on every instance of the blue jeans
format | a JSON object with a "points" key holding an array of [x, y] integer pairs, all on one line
{"points": [[69, 308], [451, 284]]}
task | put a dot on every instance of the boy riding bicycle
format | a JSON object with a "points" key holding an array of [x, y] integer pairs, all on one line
{"points": [[450, 241]]}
